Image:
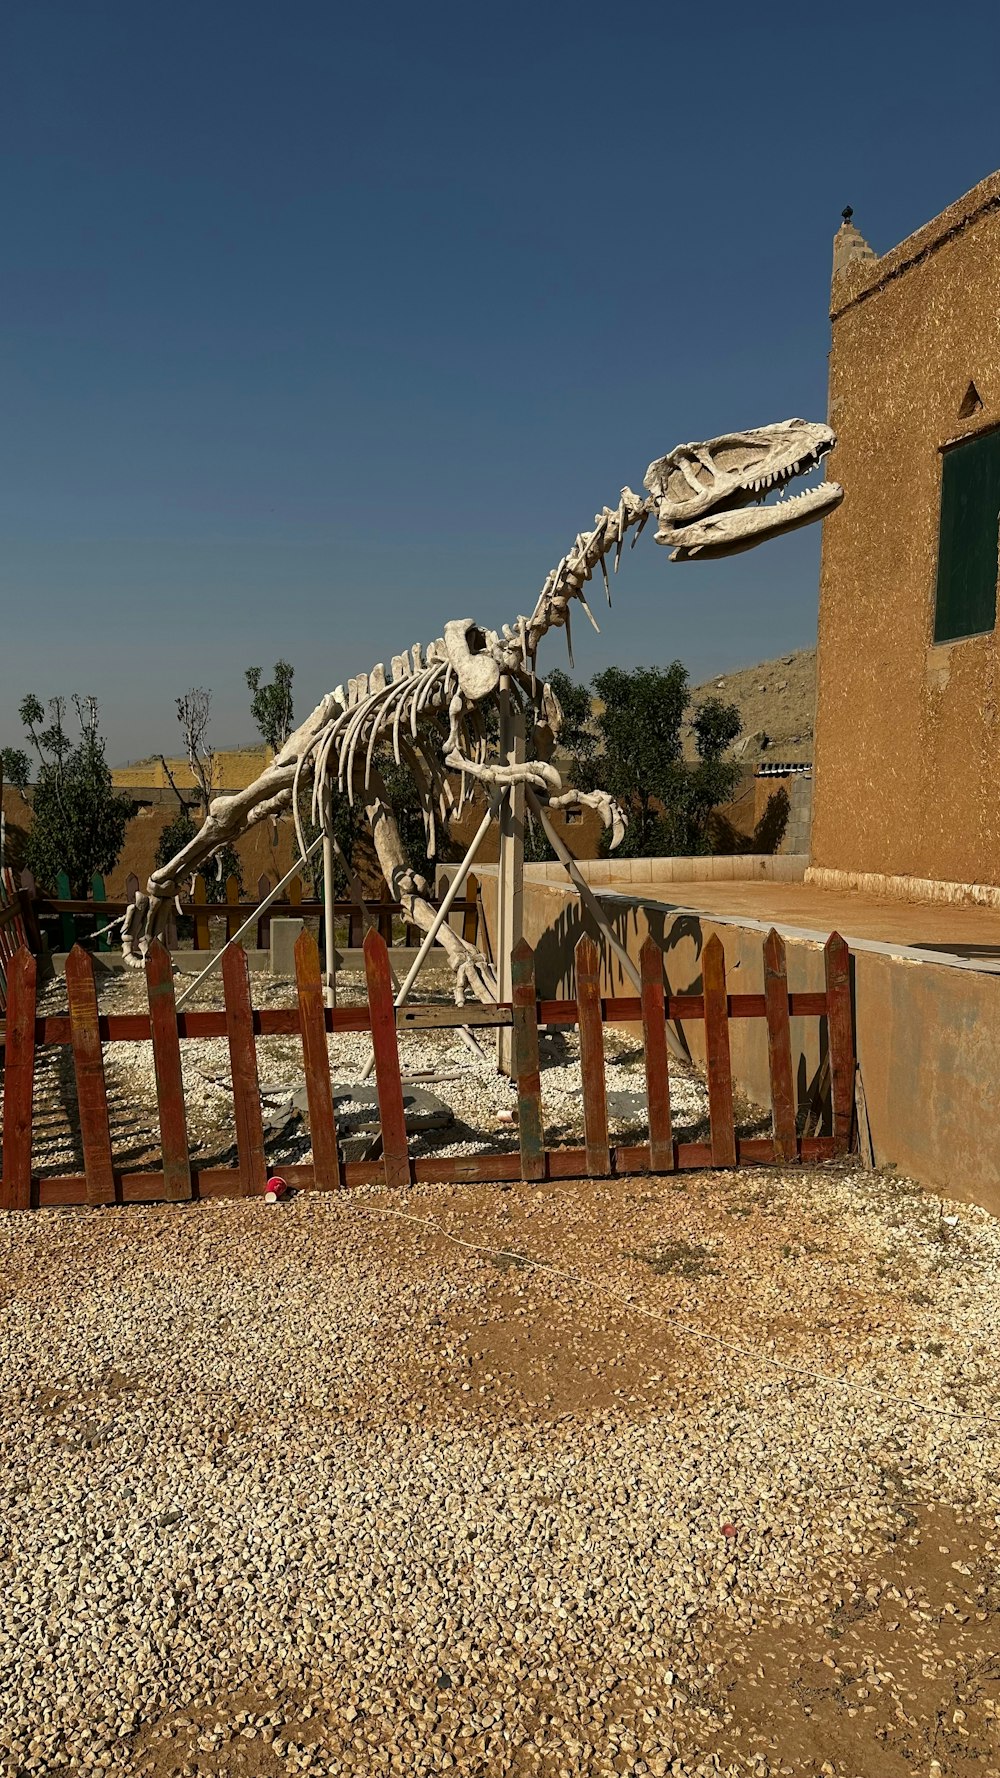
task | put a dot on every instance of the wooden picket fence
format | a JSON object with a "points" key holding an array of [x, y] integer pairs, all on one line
{"points": [[82, 918], [13, 932], [84, 1030]]}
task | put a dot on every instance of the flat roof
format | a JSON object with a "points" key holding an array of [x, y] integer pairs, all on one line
{"points": [[956, 936]]}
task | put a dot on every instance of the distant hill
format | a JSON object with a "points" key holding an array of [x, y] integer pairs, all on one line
{"points": [[777, 704]]}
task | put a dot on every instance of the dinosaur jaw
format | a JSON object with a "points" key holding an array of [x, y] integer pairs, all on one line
{"points": [[738, 527], [709, 498]]}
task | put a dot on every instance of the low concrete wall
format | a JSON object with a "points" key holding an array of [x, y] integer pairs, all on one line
{"points": [[928, 1035], [185, 962], [736, 867]]}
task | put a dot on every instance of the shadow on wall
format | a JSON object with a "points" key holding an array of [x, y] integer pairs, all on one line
{"points": [[681, 937], [766, 836]]}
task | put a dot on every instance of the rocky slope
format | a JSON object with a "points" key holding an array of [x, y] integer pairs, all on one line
{"points": [[777, 704]]}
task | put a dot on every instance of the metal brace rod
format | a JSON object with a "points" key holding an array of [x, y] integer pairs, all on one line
{"points": [[261, 908], [596, 911]]}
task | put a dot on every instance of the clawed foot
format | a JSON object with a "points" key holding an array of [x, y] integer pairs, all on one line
{"points": [[146, 919], [474, 978]]}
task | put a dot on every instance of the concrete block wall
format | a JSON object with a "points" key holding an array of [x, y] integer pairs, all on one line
{"points": [[621, 873]]}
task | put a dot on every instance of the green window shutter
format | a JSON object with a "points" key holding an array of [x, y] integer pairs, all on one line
{"points": [[966, 602]]}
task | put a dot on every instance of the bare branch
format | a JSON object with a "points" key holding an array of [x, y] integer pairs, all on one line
{"points": [[194, 711]]}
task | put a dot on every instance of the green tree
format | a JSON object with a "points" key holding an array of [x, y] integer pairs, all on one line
{"points": [[79, 818], [271, 705], [668, 799], [223, 864], [15, 769], [175, 835]]}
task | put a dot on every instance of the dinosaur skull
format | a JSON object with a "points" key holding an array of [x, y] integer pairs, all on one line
{"points": [[710, 497]]}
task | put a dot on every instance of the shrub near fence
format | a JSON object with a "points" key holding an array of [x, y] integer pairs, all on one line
{"points": [[84, 1030]]}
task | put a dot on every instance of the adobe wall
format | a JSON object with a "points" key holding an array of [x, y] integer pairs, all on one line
{"points": [[907, 734]]}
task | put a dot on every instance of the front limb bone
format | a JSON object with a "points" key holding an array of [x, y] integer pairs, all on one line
{"points": [[228, 817], [612, 814], [535, 774], [473, 974]]}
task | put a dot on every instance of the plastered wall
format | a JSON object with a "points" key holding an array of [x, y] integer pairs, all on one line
{"points": [[907, 758]]}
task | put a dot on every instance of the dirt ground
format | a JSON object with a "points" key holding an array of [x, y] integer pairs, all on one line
{"points": [[680, 1476]]}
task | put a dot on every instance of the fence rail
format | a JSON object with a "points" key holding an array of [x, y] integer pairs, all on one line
{"points": [[76, 915], [85, 1030]]}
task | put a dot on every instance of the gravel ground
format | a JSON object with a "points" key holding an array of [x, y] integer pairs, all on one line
{"points": [[481, 1100], [354, 1485]]}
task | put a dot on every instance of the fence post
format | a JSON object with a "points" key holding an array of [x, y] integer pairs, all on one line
{"points": [[99, 893], [264, 923], [316, 1062], [27, 895], [382, 1011], [654, 1037], [246, 1082], [88, 1063], [384, 917], [67, 922], [167, 1069], [595, 1107], [719, 1064], [779, 1048], [470, 919], [840, 1031], [233, 921], [18, 1084], [526, 1072], [199, 897]]}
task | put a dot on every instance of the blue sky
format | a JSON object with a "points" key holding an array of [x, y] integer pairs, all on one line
{"points": [[325, 325]]}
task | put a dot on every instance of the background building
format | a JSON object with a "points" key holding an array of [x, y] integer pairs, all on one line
{"points": [[908, 707]]}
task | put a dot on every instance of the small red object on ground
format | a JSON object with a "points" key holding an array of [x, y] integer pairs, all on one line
{"points": [[729, 1530], [276, 1189]]}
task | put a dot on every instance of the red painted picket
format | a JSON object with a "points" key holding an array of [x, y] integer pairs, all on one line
{"points": [[719, 1067], [654, 1037], [595, 1104], [167, 1069], [18, 1083], [316, 1062], [531, 1131], [779, 1047], [88, 1063], [392, 1115], [246, 1083]]}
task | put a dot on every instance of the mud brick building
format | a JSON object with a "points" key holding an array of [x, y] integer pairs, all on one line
{"points": [[907, 782]]}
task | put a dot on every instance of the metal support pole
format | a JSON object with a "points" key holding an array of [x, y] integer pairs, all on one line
{"points": [[510, 871], [260, 908], [329, 920], [596, 911]]}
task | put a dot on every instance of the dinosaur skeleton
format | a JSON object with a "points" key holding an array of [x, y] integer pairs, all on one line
{"points": [[431, 708]]}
